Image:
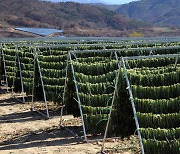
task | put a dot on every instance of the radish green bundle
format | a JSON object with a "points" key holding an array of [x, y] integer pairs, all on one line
{"points": [[53, 64], [155, 85], [153, 146], [96, 82], [27, 67], [10, 66]]}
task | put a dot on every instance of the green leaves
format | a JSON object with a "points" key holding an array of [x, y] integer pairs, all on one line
{"points": [[27, 67], [95, 80], [158, 105], [155, 85], [160, 92], [153, 146], [160, 134], [53, 66], [170, 120], [10, 65], [151, 62], [156, 79]]}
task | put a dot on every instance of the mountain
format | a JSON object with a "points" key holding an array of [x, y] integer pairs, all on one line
{"points": [[79, 1], [107, 6], [159, 12], [73, 18]]}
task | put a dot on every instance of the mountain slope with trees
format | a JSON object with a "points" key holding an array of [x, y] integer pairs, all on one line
{"points": [[74, 18], [78, 1], [160, 12]]}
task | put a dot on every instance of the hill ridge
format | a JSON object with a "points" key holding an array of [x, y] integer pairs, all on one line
{"points": [[160, 12], [68, 16], [74, 19]]}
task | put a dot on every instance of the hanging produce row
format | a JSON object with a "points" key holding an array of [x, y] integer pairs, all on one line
{"points": [[10, 65], [53, 64], [155, 85], [165, 79], [169, 105], [96, 82], [26, 56]]}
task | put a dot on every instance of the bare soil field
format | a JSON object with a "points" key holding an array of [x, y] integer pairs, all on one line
{"points": [[26, 132]]}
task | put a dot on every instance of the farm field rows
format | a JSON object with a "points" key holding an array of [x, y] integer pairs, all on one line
{"points": [[134, 87]]}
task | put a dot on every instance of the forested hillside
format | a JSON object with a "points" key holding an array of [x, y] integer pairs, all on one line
{"points": [[72, 17], [159, 12]]}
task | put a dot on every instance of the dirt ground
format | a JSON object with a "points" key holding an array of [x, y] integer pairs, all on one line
{"points": [[26, 132]]}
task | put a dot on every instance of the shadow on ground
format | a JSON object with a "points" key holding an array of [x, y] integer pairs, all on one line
{"points": [[24, 114], [9, 102], [50, 137]]}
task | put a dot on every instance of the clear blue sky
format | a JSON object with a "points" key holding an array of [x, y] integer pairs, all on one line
{"points": [[118, 1]]}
